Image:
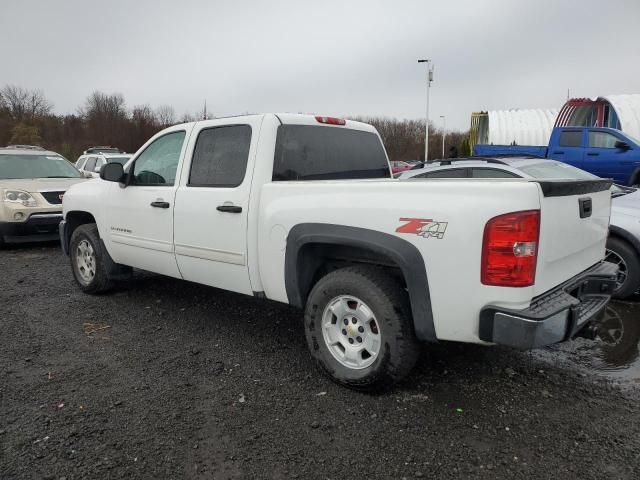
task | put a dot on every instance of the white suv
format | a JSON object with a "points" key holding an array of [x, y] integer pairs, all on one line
{"points": [[92, 160]]}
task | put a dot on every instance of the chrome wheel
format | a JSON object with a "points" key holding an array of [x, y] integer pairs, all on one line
{"points": [[86, 261], [623, 271], [351, 332]]}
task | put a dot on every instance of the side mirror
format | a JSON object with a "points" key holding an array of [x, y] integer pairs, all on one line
{"points": [[86, 174], [112, 172], [621, 145]]}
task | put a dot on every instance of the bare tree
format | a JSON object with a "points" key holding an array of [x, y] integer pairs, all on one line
{"points": [[165, 115], [24, 105], [187, 117], [106, 118]]}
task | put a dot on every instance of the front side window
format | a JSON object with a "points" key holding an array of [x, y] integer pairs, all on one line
{"points": [[602, 140], [220, 157], [491, 173], [570, 138], [309, 152], [158, 164]]}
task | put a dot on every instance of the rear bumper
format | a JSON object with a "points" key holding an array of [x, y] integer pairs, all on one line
{"points": [[554, 316], [39, 226]]}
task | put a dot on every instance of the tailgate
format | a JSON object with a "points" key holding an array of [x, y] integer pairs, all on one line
{"points": [[573, 229]]}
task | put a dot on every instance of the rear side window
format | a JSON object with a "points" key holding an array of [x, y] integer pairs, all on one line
{"points": [[448, 173], [90, 165], [570, 138], [220, 157], [491, 173], [309, 152]]}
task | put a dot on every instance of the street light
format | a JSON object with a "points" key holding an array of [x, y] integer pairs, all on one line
{"points": [[426, 126], [444, 130]]}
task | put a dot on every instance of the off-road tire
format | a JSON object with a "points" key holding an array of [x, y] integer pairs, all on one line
{"points": [[631, 258], [101, 281], [389, 303]]}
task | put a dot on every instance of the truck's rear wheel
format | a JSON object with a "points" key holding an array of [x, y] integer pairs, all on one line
{"points": [[359, 329], [88, 260], [623, 255]]}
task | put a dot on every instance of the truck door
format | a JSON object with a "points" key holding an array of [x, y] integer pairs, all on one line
{"points": [[602, 158], [140, 217], [212, 203], [569, 147]]}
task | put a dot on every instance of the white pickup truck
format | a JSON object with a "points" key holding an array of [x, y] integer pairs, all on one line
{"points": [[303, 210]]}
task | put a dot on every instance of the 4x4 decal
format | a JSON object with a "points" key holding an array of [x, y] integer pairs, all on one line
{"points": [[423, 227]]}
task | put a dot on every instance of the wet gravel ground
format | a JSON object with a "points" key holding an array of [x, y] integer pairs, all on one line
{"points": [[168, 379]]}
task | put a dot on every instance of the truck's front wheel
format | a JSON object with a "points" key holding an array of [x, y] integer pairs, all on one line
{"points": [[88, 260], [359, 329]]}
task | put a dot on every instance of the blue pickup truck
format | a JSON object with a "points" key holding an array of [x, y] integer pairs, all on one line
{"points": [[605, 152]]}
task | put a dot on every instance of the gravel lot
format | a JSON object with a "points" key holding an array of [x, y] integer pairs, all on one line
{"points": [[168, 379]]}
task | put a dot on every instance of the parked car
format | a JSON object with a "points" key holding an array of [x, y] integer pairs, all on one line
{"points": [[32, 183], [623, 244], [605, 152], [90, 164], [399, 166], [302, 210]]}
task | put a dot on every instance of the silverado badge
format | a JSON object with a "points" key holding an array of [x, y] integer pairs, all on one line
{"points": [[423, 227]]}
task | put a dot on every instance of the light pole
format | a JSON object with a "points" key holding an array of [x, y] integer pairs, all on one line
{"points": [[444, 130], [426, 126]]}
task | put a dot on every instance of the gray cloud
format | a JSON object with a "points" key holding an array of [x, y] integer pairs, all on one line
{"points": [[335, 57]]}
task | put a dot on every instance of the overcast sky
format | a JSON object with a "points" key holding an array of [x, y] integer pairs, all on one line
{"points": [[332, 57]]}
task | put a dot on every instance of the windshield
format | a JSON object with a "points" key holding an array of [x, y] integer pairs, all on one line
{"points": [[36, 166], [120, 160], [555, 171]]}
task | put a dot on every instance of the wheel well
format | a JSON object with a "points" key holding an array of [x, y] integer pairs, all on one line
{"points": [[315, 260], [73, 220], [314, 249], [623, 235]]}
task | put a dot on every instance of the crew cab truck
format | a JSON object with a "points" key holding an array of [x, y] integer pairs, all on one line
{"points": [[605, 152], [303, 210]]}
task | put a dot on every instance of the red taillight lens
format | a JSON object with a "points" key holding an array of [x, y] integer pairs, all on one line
{"points": [[331, 120], [510, 249]]}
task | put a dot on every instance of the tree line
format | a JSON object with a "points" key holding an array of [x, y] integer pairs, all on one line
{"points": [[27, 117]]}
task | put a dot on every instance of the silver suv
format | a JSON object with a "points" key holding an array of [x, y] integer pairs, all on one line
{"points": [[94, 158]]}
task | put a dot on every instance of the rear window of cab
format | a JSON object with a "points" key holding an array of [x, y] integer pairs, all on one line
{"points": [[309, 152]]}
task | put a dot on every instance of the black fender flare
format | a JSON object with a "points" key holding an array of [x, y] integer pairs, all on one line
{"points": [[299, 274]]}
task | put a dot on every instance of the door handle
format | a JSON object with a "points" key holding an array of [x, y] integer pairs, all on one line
{"points": [[229, 208], [160, 204], [559, 152], [593, 154]]}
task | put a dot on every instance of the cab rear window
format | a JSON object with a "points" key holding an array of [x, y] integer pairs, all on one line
{"points": [[308, 152]]}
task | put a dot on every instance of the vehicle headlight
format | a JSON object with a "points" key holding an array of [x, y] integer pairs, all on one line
{"points": [[18, 196]]}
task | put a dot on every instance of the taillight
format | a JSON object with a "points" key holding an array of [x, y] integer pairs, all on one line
{"points": [[331, 120], [510, 249]]}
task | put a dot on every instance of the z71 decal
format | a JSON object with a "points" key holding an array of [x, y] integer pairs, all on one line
{"points": [[423, 227]]}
